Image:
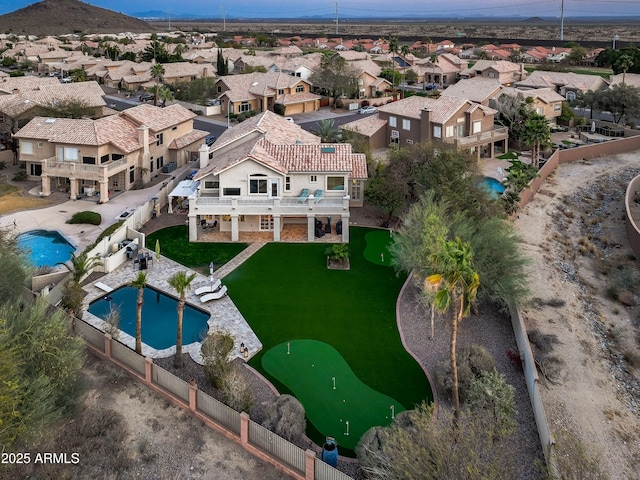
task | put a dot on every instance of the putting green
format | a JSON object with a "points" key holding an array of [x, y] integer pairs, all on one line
{"points": [[308, 368], [377, 249]]}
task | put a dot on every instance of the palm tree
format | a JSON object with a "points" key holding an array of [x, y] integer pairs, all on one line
{"points": [[393, 49], [139, 282], [157, 71], [537, 135], [459, 284], [180, 282], [624, 63], [433, 59], [165, 95], [327, 131], [81, 265]]}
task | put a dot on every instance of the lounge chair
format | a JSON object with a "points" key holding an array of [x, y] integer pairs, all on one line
{"points": [[211, 288], [319, 195], [215, 295], [304, 195]]}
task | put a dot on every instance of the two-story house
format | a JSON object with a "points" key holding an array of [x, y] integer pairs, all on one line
{"points": [[262, 91], [267, 174], [458, 121], [111, 154], [441, 70], [567, 84]]}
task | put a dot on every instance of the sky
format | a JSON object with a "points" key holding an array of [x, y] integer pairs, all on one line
{"points": [[361, 8]]}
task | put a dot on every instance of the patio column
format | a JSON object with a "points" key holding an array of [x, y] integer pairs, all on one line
{"points": [[345, 228], [104, 191], [276, 228], [46, 185], [235, 234], [193, 228], [311, 228], [73, 190]]}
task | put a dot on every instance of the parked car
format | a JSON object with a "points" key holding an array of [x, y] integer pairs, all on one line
{"points": [[210, 139], [366, 110], [145, 97], [66, 80], [290, 119]]}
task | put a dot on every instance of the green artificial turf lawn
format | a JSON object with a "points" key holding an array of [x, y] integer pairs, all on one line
{"points": [[285, 292], [174, 244], [510, 155], [377, 249], [332, 395]]}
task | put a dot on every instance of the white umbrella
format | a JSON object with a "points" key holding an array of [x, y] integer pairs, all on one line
{"points": [[593, 127], [211, 272]]}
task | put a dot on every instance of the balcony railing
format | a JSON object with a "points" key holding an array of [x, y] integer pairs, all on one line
{"points": [[493, 135], [217, 205], [86, 171]]}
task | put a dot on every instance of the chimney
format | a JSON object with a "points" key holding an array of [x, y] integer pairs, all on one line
{"points": [[15, 91], [205, 72], [143, 139], [203, 154], [425, 124]]}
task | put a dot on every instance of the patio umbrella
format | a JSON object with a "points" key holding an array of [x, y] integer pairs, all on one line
{"points": [[211, 272], [158, 249]]}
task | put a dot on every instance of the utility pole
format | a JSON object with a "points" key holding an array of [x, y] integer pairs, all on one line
{"points": [[336, 6], [562, 20], [224, 19]]}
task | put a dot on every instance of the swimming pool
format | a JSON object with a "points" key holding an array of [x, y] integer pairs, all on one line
{"points": [[159, 316], [45, 248], [495, 187]]}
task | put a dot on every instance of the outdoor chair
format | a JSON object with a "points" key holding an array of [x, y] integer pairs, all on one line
{"points": [[319, 195], [211, 288], [304, 195], [215, 295]]}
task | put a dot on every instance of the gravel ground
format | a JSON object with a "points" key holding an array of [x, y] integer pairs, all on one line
{"points": [[489, 328]]}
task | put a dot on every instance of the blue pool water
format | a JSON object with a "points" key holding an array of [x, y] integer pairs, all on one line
{"points": [[45, 248], [495, 187], [159, 316]]}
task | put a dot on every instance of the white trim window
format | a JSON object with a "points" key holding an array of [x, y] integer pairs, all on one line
{"points": [[68, 154], [287, 183], [448, 131], [393, 122], [313, 178], [406, 124], [257, 184], [437, 131], [26, 148], [477, 126], [335, 183]]}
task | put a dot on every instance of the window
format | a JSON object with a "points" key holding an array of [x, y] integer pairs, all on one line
{"points": [[335, 183], [571, 96], [437, 131], [68, 154], [281, 91], [26, 148], [393, 122], [459, 131], [448, 131], [39, 144], [300, 89], [159, 139], [219, 89], [406, 124], [266, 223], [409, 141], [257, 184], [313, 178], [174, 128], [159, 162], [36, 169], [557, 107], [245, 107], [477, 127], [287, 183], [231, 191], [89, 160], [132, 174], [211, 184], [492, 75], [540, 110], [116, 156], [356, 191], [151, 164]]}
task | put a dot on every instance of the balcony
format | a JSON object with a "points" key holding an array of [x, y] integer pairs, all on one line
{"points": [[482, 138], [82, 171], [210, 205]]}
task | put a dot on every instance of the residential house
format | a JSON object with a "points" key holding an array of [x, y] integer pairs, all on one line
{"points": [[111, 154], [631, 79], [262, 91], [558, 54], [454, 120], [477, 89], [567, 84], [546, 101], [442, 70], [504, 71], [267, 174], [535, 55], [302, 67]]}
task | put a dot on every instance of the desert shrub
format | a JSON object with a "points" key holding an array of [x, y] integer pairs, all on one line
{"points": [[91, 218], [370, 446], [3, 165], [216, 351], [235, 391], [278, 109], [19, 176], [72, 296], [339, 103], [549, 365], [494, 399], [112, 322], [285, 416], [473, 361], [572, 460]]}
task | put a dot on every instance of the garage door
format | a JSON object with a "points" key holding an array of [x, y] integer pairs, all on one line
{"points": [[295, 108], [310, 106]]}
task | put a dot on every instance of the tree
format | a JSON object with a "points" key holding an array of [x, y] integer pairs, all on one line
{"points": [[155, 51], [140, 283], [69, 108], [577, 54], [180, 282], [235, 391], [388, 191], [327, 131], [336, 77], [621, 100], [157, 71], [623, 63], [14, 272], [454, 264], [411, 77], [164, 94], [222, 65], [588, 99], [393, 49], [81, 265], [537, 135], [78, 75], [216, 353], [392, 76]]}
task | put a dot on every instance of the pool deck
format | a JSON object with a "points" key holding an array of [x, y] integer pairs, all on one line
{"points": [[224, 313]]}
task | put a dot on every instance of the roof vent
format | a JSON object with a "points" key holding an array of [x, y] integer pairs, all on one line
{"points": [[50, 120], [328, 149], [298, 142]]}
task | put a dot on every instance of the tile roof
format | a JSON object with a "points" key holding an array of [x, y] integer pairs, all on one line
{"points": [[442, 108], [547, 95], [579, 81], [8, 84], [187, 139], [366, 126], [157, 118], [476, 89], [291, 98], [632, 79]]}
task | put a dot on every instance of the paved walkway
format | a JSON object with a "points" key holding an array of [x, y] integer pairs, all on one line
{"points": [[239, 259]]}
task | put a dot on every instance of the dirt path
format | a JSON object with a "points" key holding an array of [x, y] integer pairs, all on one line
{"points": [[583, 278]]}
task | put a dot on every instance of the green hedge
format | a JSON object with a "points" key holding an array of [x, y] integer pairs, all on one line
{"points": [[91, 218]]}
